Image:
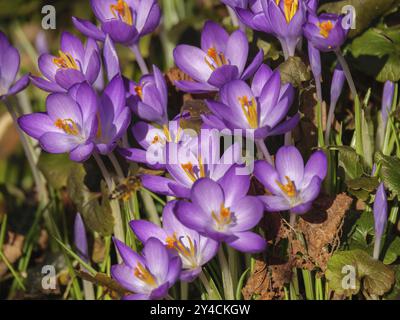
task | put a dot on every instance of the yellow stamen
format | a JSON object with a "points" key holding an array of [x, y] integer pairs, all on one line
{"points": [[217, 57], [325, 28], [167, 133], [156, 139], [174, 243], [143, 274], [249, 109], [290, 9], [224, 217], [122, 10], [139, 91], [188, 168], [68, 125], [65, 61], [289, 189]]}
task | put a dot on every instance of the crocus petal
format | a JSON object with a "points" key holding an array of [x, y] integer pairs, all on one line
{"points": [[192, 216], [137, 296], [208, 250], [289, 163], [285, 126], [55, 142], [190, 275], [267, 175], [157, 258], [19, 86], [9, 62], [235, 186], [66, 78], [261, 77], [301, 208], [312, 191], [47, 67], [248, 242], [80, 239], [157, 184], [72, 45], [88, 29], [47, 85], [213, 36], [208, 195], [223, 75], [145, 230], [380, 211], [82, 152], [36, 124], [174, 270], [111, 60], [160, 292], [317, 165], [248, 212], [275, 203], [125, 276], [253, 66], [269, 96], [194, 87], [237, 50], [119, 31]]}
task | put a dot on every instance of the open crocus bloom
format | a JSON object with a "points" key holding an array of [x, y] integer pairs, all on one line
{"points": [[253, 16], [290, 185], [222, 58], [186, 163], [325, 32], [9, 66], [125, 21], [113, 116], [149, 97], [193, 249], [262, 108], [286, 19], [154, 142], [74, 64], [222, 211], [149, 275], [69, 124]]}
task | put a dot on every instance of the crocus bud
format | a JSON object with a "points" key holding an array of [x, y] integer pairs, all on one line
{"points": [[380, 217], [387, 100], [337, 84], [315, 61], [80, 238]]}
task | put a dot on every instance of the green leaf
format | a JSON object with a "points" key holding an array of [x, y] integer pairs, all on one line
{"points": [[371, 275], [378, 53], [350, 161], [56, 168], [363, 186], [97, 214], [240, 284], [363, 232], [366, 11], [394, 294], [294, 71], [390, 171], [393, 251]]}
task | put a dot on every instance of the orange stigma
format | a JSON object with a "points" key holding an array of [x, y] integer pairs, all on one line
{"points": [[189, 170], [249, 109], [68, 125], [289, 189], [325, 28], [143, 274], [65, 61], [122, 10], [218, 58], [139, 91], [224, 218], [289, 7]]}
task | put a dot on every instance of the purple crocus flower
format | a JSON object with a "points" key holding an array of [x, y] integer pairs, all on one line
{"points": [[380, 217], [223, 212], [69, 125], [9, 67], [290, 185], [154, 142], [113, 116], [338, 80], [124, 21], [80, 239], [286, 19], [187, 163], [149, 275], [325, 32], [387, 100], [149, 97], [252, 15], [262, 108], [193, 249], [222, 58], [75, 64]]}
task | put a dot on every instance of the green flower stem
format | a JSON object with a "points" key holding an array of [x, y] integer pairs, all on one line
{"points": [[116, 165], [235, 20], [184, 290], [320, 125], [139, 59], [116, 210], [357, 104], [150, 207], [226, 275], [262, 148], [377, 248], [308, 284], [206, 284]]}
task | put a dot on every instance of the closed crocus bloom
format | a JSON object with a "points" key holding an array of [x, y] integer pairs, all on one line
{"points": [[149, 98], [290, 185], [253, 16], [193, 249], [153, 141], [124, 21], [315, 61], [325, 32], [68, 126], [221, 58], [187, 163], [113, 116], [150, 275], [262, 108], [75, 64], [337, 84], [223, 212], [9, 67], [80, 239], [387, 100], [286, 18], [380, 218]]}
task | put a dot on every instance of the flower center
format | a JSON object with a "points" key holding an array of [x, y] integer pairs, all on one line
{"points": [[249, 109], [68, 125], [218, 59], [121, 9], [139, 91], [65, 61], [179, 246], [224, 218], [325, 28], [190, 172], [144, 275], [289, 7], [289, 189]]}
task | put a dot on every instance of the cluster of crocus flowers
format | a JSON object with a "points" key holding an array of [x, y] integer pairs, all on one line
{"points": [[125, 21], [9, 67], [221, 59]]}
